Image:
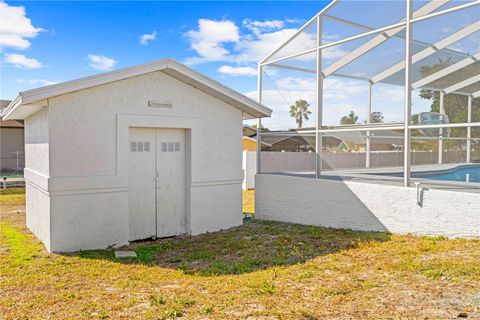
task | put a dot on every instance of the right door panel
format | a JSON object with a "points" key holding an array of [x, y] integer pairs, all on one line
{"points": [[171, 213]]}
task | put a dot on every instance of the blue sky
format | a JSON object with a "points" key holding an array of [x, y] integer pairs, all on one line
{"points": [[73, 31], [48, 42]]}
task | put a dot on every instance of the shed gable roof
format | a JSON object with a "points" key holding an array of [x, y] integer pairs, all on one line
{"points": [[29, 102]]}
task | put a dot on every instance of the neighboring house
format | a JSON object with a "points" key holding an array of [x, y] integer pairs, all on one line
{"points": [[296, 140], [380, 140], [250, 144], [12, 145], [148, 151]]}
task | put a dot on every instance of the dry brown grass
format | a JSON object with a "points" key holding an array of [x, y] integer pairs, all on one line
{"points": [[264, 270]]}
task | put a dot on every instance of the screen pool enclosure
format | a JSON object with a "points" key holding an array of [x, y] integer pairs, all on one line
{"points": [[407, 72]]}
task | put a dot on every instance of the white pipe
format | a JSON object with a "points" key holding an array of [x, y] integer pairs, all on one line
{"points": [[440, 138], [259, 120], [408, 93], [369, 115], [318, 122], [469, 130]]}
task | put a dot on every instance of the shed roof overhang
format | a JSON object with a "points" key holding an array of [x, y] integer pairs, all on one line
{"points": [[31, 101]]}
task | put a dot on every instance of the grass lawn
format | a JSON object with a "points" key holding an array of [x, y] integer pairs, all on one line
{"points": [[262, 270]]}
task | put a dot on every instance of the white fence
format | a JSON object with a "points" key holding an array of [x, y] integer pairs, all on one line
{"points": [[305, 161]]}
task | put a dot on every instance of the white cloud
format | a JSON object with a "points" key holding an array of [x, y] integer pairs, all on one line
{"points": [[21, 61], [33, 82], [389, 93], [294, 83], [253, 50], [209, 40], [101, 63], [333, 88], [333, 53], [216, 41], [146, 38], [15, 28], [238, 71], [258, 27]]}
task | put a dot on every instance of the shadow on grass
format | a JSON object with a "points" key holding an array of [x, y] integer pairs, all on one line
{"points": [[254, 246]]}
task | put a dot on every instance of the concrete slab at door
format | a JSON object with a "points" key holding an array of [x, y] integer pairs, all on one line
{"points": [[171, 209], [141, 192]]}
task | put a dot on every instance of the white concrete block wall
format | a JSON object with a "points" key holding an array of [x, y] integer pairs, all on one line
{"points": [[366, 206]]}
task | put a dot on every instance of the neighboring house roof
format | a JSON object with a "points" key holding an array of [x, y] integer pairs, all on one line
{"points": [[11, 124], [249, 130], [255, 140], [29, 102], [377, 137], [391, 137]]}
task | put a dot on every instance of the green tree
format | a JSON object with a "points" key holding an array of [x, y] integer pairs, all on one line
{"points": [[455, 105], [300, 112], [262, 128], [351, 118], [376, 117]]}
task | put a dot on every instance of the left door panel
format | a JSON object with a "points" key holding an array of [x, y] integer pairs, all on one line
{"points": [[141, 190]]}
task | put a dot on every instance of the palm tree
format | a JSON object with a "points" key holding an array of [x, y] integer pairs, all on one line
{"points": [[350, 119], [300, 111]]}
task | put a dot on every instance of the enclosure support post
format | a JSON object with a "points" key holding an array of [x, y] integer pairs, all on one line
{"points": [[369, 119], [259, 120], [469, 130], [318, 122], [440, 137], [408, 94]]}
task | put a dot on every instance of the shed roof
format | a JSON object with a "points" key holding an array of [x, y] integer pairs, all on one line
{"points": [[29, 102]]}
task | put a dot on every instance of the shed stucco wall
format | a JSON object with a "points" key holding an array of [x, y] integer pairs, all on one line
{"points": [[366, 206], [88, 178], [37, 142], [36, 175]]}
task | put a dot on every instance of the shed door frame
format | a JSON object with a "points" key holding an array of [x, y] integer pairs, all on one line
{"points": [[152, 179], [191, 125]]}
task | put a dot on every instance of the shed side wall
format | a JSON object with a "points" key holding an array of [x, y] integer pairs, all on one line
{"points": [[37, 174]]}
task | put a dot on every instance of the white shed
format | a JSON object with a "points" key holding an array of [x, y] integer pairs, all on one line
{"points": [[153, 150]]}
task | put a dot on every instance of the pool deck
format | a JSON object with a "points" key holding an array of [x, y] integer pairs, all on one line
{"points": [[373, 175]]}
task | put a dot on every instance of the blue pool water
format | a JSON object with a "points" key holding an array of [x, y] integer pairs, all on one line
{"points": [[461, 173]]}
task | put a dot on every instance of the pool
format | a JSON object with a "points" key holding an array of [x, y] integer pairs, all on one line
{"points": [[461, 173]]}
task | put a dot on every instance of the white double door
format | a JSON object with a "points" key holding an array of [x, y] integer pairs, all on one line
{"points": [[156, 183]]}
